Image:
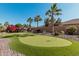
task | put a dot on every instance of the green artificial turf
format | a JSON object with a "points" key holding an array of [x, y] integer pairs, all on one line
{"points": [[72, 50], [19, 46], [44, 41]]}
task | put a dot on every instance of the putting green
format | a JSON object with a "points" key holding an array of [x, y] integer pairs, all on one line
{"points": [[44, 41]]}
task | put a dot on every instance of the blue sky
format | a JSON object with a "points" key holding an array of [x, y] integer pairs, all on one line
{"points": [[18, 13]]}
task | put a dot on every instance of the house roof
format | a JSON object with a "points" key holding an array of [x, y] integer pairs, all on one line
{"points": [[73, 21]]}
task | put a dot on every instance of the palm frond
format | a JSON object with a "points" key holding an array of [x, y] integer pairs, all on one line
{"points": [[37, 18], [58, 21], [29, 19], [58, 10], [48, 12], [58, 13], [54, 6]]}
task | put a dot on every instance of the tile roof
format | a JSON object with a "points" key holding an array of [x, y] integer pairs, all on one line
{"points": [[73, 21]]}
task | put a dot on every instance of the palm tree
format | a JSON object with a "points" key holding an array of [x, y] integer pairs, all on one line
{"points": [[37, 19], [30, 20], [52, 13], [58, 21], [6, 24], [47, 22]]}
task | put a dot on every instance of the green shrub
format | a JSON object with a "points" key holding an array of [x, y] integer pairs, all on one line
{"points": [[18, 25], [71, 30], [56, 33], [62, 32]]}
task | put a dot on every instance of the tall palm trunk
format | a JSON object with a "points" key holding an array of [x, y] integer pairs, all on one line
{"points": [[53, 29], [30, 25], [52, 20], [37, 23]]}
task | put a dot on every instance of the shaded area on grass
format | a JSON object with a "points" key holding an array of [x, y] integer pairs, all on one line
{"points": [[17, 35]]}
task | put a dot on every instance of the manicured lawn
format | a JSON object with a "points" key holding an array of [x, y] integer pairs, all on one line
{"points": [[20, 44], [44, 41]]}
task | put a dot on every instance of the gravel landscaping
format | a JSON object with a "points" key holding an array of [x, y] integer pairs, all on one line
{"points": [[5, 49], [73, 37]]}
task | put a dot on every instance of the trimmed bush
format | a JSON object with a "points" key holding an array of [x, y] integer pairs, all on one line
{"points": [[71, 30], [62, 32], [11, 28], [14, 28], [20, 29], [56, 33]]}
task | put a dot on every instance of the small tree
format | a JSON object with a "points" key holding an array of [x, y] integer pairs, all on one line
{"points": [[19, 25], [25, 25], [71, 30]]}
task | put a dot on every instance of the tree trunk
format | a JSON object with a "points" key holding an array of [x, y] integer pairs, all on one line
{"points": [[52, 18], [53, 29], [37, 24], [30, 26]]}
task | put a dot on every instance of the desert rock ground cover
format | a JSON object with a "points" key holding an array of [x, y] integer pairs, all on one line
{"points": [[5, 49]]}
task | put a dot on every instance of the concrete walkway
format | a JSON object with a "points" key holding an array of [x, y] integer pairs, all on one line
{"points": [[5, 50]]}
